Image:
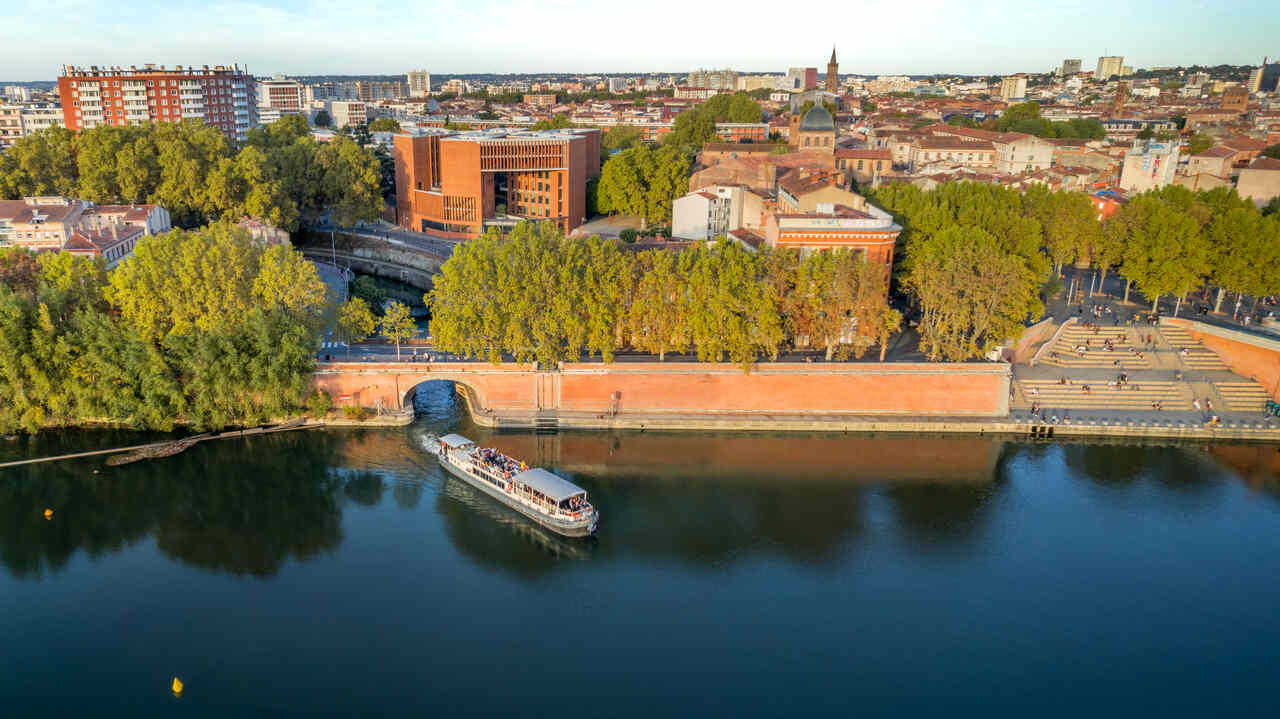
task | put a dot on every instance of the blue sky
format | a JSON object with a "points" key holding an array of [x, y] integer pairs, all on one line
{"points": [[872, 36]]}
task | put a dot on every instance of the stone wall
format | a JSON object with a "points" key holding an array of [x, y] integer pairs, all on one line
{"points": [[513, 391]]}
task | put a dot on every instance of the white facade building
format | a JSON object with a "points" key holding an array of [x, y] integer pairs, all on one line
{"points": [[419, 83], [1149, 165]]}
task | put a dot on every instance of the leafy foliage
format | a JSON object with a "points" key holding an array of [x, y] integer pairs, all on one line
{"points": [[281, 174], [202, 327], [536, 295], [643, 181]]}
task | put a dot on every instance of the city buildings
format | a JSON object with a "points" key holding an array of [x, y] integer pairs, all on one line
{"points": [[1013, 88], [221, 97], [617, 85], [1149, 165], [724, 80], [833, 72], [1108, 65], [854, 224], [280, 94], [802, 78], [456, 182], [1235, 98], [10, 124], [17, 93], [1268, 77], [816, 130], [418, 82], [716, 210], [1069, 67], [347, 113], [540, 100], [1260, 181], [50, 224]]}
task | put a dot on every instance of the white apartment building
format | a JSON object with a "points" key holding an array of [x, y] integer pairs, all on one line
{"points": [[347, 113], [419, 83], [1109, 65], [1149, 165]]}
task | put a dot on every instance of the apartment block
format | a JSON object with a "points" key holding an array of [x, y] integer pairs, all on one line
{"points": [[221, 97], [454, 182], [281, 94], [419, 83]]}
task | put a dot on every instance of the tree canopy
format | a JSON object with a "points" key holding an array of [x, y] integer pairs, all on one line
{"points": [[204, 327], [384, 124], [643, 181], [280, 174], [536, 295]]}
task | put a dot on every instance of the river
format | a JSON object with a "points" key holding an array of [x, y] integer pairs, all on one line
{"points": [[343, 573]]}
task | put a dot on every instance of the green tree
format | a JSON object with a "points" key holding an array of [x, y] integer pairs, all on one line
{"points": [[42, 163], [1272, 151], [368, 289], [656, 317], [555, 122], [397, 325], [384, 124], [973, 293], [1165, 252], [355, 322], [644, 182], [1199, 143], [323, 119]]}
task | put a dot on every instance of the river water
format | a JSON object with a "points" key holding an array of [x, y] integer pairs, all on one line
{"points": [[343, 573]]}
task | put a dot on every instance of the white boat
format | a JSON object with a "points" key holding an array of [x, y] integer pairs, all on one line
{"points": [[549, 500]]}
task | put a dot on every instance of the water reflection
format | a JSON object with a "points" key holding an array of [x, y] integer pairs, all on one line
{"points": [[239, 506], [245, 507], [497, 536]]}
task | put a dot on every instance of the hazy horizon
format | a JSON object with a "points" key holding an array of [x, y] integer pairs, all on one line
{"points": [[325, 37]]}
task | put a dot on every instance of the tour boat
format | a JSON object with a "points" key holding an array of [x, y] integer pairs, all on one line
{"points": [[549, 500]]}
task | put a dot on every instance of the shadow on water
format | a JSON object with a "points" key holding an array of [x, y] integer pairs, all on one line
{"points": [[241, 507]]}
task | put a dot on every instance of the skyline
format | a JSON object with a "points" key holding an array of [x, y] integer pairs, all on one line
{"points": [[318, 37]]}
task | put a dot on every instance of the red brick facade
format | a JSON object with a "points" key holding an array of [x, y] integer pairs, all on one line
{"points": [[449, 182]]}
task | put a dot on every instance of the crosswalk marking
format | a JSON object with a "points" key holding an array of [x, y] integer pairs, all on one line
{"points": [[332, 345]]}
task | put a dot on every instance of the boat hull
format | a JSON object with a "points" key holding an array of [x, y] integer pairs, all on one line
{"points": [[564, 529]]}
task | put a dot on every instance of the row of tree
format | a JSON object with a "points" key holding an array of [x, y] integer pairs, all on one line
{"points": [[205, 327], [976, 256], [280, 174], [537, 295]]}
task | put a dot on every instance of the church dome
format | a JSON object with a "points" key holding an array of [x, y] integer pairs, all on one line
{"points": [[817, 119]]}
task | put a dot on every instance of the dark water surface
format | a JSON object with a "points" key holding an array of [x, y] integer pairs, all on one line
{"points": [[342, 573]]}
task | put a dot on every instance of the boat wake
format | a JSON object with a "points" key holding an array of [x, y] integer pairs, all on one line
{"points": [[430, 442]]}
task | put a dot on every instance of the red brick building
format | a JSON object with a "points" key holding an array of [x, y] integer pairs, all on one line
{"points": [[453, 182], [222, 97]]}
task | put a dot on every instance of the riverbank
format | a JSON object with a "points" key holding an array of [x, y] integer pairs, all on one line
{"points": [[1173, 428]]}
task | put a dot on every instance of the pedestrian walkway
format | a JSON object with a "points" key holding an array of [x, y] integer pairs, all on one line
{"points": [[1079, 347], [1109, 396], [333, 345], [1243, 396], [1192, 354]]}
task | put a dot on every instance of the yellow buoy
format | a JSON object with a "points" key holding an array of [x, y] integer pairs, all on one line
{"points": [[177, 685], [48, 514]]}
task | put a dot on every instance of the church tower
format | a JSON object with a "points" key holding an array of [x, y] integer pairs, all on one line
{"points": [[833, 72]]}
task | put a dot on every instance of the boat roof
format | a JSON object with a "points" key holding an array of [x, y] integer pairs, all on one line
{"points": [[454, 441], [554, 487]]}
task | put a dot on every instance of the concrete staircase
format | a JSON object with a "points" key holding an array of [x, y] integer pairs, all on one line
{"points": [[1196, 356], [1242, 396], [1137, 395], [1064, 352]]}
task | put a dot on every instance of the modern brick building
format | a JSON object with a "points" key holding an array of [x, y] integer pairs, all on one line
{"points": [[222, 97], [453, 182]]}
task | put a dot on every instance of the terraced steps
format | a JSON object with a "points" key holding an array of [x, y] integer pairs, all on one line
{"points": [[1132, 396], [1064, 352], [1196, 356], [1242, 396]]}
